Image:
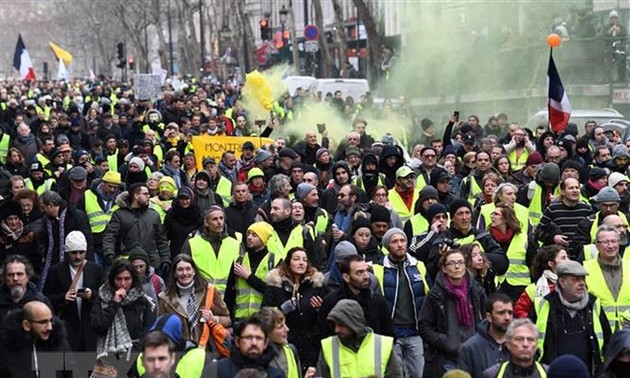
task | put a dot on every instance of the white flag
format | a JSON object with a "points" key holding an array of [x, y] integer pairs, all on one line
{"points": [[62, 73]]}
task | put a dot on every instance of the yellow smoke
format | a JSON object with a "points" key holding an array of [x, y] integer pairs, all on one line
{"points": [[261, 90]]}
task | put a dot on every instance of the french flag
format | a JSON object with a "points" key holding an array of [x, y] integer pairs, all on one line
{"points": [[558, 104], [22, 61]]}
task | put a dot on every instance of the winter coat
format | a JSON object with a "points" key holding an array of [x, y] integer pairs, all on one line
{"points": [[229, 367], [76, 220], [7, 305], [439, 327], [302, 322], [57, 284], [131, 227], [239, 216], [619, 344], [481, 352], [16, 348], [26, 245], [29, 146], [179, 223]]}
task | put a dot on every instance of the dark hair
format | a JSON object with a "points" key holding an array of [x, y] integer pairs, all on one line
{"points": [[344, 265], [510, 218], [252, 320], [52, 198], [445, 255], [495, 164], [544, 256], [155, 339], [27, 194], [171, 283], [497, 297], [285, 266], [136, 187], [467, 250], [377, 188], [354, 190], [120, 266], [270, 317], [171, 154], [18, 259]]}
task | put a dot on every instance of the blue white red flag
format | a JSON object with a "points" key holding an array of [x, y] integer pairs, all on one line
{"points": [[22, 61], [558, 104]]}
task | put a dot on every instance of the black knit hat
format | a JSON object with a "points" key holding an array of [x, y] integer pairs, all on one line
{"points": [[380, 214], [457, 204], [360, 223]]}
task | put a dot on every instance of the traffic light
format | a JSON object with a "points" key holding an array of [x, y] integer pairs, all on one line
{"points": [[265, 30], [132, 63], [120, 51]]}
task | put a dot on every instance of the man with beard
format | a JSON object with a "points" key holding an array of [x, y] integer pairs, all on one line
{"points": [[44, 156], [356, 284], [404, 195], [369, 177], [220, 184], [16, 289], [26, 336], [71, 285], [608, 201], [620, 159], [134, 172], [240, 214], [472, 184], [487, 346], [419, 222], [341, 176], [288, 234], [250, 350], [246, 282], [619, 182], [135, 223]]}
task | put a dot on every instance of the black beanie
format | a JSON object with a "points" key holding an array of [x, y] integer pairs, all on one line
{"points": [[457, 204], [380, 214], [360, 223], [435, 209]]}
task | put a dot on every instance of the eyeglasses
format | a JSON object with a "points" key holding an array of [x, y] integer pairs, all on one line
{"points": [[455, 263], [380, 195], [429, 156]]}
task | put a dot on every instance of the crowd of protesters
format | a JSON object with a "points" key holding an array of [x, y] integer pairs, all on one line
{"points": [[491, 250]]}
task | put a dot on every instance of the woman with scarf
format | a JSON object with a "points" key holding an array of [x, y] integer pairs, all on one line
{"points": [[543, 271], [171, 168], [121, 312], [16, 163], [296, 288], [450, 313], [185, 296], [478, 264], [15, 238], [183, 218]]}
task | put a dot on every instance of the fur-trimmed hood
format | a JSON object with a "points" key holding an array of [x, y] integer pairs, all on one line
{"points": [[12, 334], [276, 278]]}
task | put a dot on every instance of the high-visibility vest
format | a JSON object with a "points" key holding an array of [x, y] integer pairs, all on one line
{"points": [[224, 189], [5, 144], [591, 252], [44, 160], [321, 221], [470, 239], [296, 239], [518, 272], [474, 188], [420, 182], [112, 161], [213, 268], [358, 181], [542, 308], [97, 217], [522, 214], [292, 366], [371, 358], [539, 368], [419, 224], [536, 206], [248, 299], [596, 223], [398, 205], [518, 162], [44, 187], [158, 132], [597, 286], [379, 273], [157, 206]]}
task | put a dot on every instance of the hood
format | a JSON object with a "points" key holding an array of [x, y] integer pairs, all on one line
{"points": [[369, 158], [171, 325], [153, 111], [618, 344], [349, 313], [276, 278], [12, 333], [344, 165], [123, 200]]}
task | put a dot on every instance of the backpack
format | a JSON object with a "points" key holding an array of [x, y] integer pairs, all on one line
{"points": [[219, 338]]}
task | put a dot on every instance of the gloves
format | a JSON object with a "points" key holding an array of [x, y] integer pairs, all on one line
{"points": [[165, 266], [109, 260]]}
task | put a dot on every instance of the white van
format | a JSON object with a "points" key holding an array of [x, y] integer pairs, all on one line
{"points": [[294, 82], [354, 88]]}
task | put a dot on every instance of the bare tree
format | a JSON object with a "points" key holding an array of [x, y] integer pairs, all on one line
{"points": [[341, 35], [158, 13], [323, 41], [294, 41], [374, 39]]}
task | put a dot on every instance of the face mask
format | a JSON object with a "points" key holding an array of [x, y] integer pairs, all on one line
{"points": [[620, 368], [153, 118]]}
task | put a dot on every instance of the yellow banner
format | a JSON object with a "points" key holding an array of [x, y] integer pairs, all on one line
{"points": [[61, 54], [214, 146]]}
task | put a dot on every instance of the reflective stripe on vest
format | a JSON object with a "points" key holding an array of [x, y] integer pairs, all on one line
{"points": [[398, 205], [596, 223], [212, 268], [248, 300], [371, 358], [535, 206], [112, 162], [224, 189], [518, 272], [597, 286], [518, 162], [5, 142], [292, 367], [539, 368], [275, 246], [97, 217], [542, 308]]}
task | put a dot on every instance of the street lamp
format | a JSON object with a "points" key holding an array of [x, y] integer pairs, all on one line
{"points": [[283, 20]]}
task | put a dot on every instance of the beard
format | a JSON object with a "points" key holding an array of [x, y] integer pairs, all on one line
{"points": [[17, 292]]}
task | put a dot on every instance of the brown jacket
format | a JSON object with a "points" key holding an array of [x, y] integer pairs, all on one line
{"points": [[172, 305]]}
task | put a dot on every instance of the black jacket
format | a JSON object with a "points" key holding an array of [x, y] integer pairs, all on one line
{"points": [[439, 327], [239, 216], [229, 367], [179, 223], [619, 343], [81, 336], [76, 220], [7, 305], [138, 315], [481, 352]]}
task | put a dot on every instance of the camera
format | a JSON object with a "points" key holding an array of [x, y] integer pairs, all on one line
{"points": [[450, 243]]}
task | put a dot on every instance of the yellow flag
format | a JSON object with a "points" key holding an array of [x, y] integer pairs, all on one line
{"points": [[61, 54]]}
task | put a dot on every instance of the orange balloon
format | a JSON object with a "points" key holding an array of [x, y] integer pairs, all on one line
{"points": [[553, 40]]}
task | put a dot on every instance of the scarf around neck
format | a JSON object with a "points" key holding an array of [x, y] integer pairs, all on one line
{"points": [[500, 236], [462, 306], [51, 245], [13, 235], [542, 285]]}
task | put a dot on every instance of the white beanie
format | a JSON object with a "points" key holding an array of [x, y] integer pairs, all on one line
{"points": [[613, 13], [138, 161], [75, 241], [615, 178]]}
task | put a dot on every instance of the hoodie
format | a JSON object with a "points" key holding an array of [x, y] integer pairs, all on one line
{"points": [[369, 179], [349, 313], [390, 172], [619, 344]]}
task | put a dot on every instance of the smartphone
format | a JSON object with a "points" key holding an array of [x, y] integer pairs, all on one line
{"points": [[81, 291], [321, 127], [456, 114], [260, 122]]}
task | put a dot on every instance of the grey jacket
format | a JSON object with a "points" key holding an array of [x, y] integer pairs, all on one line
{"points": [[132, 227]]}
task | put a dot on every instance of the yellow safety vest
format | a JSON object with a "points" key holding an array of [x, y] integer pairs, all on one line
{"points": [[359, 182], [44, 161], [522, 214], [296, 239], [541, 370], [398, 205], [213, 268], [596, 222], [5, 144], [371, 358], [591, 252], [44, 187], [224, 189], [157, 206], [292, 366], [112, 161], [518, 162], [598, 287], [470, 239], [542, 308], [536, 206], [474, 189], [321, 221], [158, 132], [518, 272], [248, 300], [379, 273], [419, 224], [97, 217]]}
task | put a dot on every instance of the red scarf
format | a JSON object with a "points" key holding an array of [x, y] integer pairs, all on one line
{"points": [[501, 237], [406, 195]]}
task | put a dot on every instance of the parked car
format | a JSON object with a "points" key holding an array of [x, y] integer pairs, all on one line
{"points": [[354, 88], [607, 116], [294, 82]]}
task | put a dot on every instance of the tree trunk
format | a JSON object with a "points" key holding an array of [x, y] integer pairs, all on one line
{"points": [[159, 28], [374, 39], [341, 36], [294, 40], [250, 40], [323, 41], [238, 38]]}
